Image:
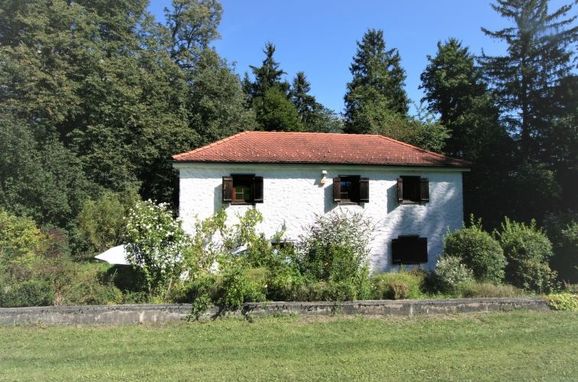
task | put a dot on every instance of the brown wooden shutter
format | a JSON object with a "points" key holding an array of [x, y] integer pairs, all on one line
{"points": [[363, 190], [399, 190], [424, 190], [227, 189], [258, 189], [337, 189]]}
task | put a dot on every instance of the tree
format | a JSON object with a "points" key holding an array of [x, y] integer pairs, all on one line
{"points": [[216, 100], [525, 79], [275, 112], [313, 115], [268, 75], [269, 96], [454, 89], [377, 77], [192, 25]]}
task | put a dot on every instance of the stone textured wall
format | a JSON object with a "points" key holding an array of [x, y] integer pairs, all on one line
{"points": [[294, 195], [159, 314]]}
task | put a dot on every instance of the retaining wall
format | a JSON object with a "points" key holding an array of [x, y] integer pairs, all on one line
{"points": [[157, 314]]}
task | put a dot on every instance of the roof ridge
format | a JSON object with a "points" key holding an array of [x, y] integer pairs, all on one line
{"points": [[216, 143]]}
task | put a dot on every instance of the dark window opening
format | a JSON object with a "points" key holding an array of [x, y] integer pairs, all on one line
{"points": [[350, 189], [409, 250], [242, 189], [412, 189]]}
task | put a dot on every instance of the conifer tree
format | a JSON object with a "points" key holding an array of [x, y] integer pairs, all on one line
{"points": [[377, 78], [540, 52]]}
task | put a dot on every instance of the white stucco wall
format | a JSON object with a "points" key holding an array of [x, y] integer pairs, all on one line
{"points": [[293, 196]]}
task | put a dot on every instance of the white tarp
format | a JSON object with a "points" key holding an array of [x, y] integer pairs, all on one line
{"points": [[115, 255]]}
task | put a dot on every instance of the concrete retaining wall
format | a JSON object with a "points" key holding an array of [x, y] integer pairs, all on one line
{"points": [[157, 314]]}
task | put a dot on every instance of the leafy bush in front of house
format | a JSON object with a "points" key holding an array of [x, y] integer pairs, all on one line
{"points": [[335, 251], [478, 250], [398, 285], [156, 245], [527, 250], [450, 273]]}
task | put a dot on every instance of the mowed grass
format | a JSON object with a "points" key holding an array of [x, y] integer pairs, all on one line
{"points": [[482, 347]]}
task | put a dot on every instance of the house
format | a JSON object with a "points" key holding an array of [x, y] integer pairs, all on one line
{"points": [[412, 196]]}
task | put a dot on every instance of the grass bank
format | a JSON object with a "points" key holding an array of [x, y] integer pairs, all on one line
{"points": [[497, 346]]}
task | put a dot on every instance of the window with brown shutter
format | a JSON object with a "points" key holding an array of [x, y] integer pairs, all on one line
{"points": [[350, 189], [409, 250], [412, 189], [242, 189]]}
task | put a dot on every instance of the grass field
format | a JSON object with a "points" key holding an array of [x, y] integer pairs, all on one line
{"points": [[499, 346]]}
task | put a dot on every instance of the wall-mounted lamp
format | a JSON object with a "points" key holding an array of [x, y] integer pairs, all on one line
{"points": [[323, 177]]}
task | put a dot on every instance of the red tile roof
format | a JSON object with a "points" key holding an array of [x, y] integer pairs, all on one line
{"points": [[325, 148]]}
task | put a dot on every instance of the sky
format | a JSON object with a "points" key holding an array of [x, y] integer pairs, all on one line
{"points": [[319, 36]]}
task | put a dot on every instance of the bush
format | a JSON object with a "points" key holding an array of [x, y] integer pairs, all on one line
{"points": [[563, 301], [157, 245], [397, 286], [27, 293], [102, 222], [238, 286], [450, 273], [478, 250], [335, 248], [90, 286], [477, 289], [527, 250]]}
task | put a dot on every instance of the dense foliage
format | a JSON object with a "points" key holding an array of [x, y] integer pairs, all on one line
{"points": [[96, 95], [478, 250]]}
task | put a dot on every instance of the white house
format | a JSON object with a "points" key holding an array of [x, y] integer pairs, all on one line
{"points": [[412, 196]]}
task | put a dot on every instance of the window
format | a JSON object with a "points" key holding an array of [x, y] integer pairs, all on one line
{"points": [[243, 189], [409, 250], [412, 189], [350, 189]]}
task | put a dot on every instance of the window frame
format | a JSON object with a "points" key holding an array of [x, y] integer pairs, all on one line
{"points": [[421, 192], [250, 181], [358, 192]]}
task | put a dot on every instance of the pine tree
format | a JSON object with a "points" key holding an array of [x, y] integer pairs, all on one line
{"points": [[268, 75], [377, 78], [525, 79], [454, 89], [299, 95]]}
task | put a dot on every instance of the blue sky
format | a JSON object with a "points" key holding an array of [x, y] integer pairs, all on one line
{"points": [[319, 36]]}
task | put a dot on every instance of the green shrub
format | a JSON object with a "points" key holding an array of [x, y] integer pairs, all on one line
{"points": [[101, 222], [397, 286], [157, 246], [527, 250], [335, 248], [478, 250], [485, 289], [27, 293], [563, 301], [89, 288], [239, 285], [450, 273]]}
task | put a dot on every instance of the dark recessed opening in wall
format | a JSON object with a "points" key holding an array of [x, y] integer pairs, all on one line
{"points": [[410, 249]]}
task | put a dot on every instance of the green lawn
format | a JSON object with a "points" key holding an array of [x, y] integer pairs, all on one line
{"points": [[498, 346]]}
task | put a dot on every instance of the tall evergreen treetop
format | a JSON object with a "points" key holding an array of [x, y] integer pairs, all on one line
{"points": [[539, 56], [268, 75], [375, 70]]}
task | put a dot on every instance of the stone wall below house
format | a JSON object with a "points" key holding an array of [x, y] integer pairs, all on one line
{"points": [[159, 314]]}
